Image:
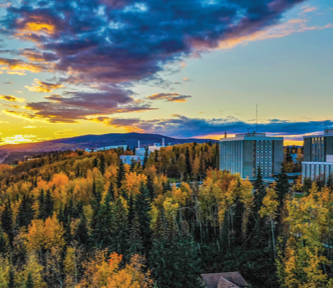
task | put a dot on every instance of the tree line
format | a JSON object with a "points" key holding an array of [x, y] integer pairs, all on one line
{"points": [[78, 219]]}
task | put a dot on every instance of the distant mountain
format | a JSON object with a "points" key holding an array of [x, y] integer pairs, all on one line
{"points": [[94, 142]]}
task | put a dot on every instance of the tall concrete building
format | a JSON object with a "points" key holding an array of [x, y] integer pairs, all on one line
{"points": [[316, 148], [244, 153], [318, 156]]}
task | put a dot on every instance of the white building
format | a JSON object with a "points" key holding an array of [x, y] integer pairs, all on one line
{"points": [[140, 153], [318, 170], [246, 152], [107, 148]]}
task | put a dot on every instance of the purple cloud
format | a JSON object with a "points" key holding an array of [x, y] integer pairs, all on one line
{"points": [[119, 42]]}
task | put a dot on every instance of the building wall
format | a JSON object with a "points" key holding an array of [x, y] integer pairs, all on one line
{"points": [[317, 170], [248, 159], [245, 156], [277, 156], [329, 145], [307, 149], [231, 156]]}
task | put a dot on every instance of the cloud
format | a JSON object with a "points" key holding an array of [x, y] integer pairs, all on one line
{"points": [[11, 98], [113, 44], [16, 139], [40, 86], [169, 97], [38, 56], [18, 66], [277, 31], [307, 9], [181, 126], [7, 82]]}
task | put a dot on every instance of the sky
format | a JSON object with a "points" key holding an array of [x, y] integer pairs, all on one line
{"points": [[184, 69]]}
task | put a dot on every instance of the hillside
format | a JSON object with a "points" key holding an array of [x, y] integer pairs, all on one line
{"points": [[8, 153]]}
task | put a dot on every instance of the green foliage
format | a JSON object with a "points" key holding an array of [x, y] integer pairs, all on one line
{"points": [[175, 263]]}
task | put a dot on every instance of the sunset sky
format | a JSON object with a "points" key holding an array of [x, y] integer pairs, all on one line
{"points": [[192, 68]]}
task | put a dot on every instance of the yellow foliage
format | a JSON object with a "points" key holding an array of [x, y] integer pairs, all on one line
{"points": [[105, 272], [45, 235]]}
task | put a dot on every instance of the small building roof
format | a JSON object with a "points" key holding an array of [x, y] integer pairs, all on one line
{"points": [[224, 280]]}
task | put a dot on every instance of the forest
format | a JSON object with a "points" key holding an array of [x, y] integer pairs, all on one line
{"points": [[79, 219]]}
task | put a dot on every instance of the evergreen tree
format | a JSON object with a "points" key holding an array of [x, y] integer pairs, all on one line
{"points": [[131, 212], [260, 192], [11, 283], [29, 283], [111, 191], [142, 208], [121, 232], [7, 221], [135, 242], [120, 173], [282, 186], [82, 232], [145, 160], [46, 209], [25, 212], [3, 243], [102, 164], [175, 263], [150, 187], [104, 224], [95, 163], [188, 162], [289, 158]]}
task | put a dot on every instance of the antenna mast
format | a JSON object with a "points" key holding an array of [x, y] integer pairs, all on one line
{"points": [[256, 118]]}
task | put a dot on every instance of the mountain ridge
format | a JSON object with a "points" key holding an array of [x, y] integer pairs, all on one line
{"points": [[94, 141]]}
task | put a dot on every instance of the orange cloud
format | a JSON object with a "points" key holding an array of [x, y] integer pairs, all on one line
{"points": [[17, 66], [15, 73], [11, 98], [170, 97], [40, 86]]}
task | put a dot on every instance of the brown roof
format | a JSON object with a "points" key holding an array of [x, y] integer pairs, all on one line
{"points": [[224, 280]]}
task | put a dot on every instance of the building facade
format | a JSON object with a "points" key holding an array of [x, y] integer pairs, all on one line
{"points": [[318, 156], [317, 170], [141, 152], [244, 153], [316, 148]]}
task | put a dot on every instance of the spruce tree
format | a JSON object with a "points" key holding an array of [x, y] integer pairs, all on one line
{"points": [[282, 186], [3, 243], [150, 187], [104, 224], [135, 242], [102, 164], [120, 173], [11, 282], [121, 232], [175, 263], [29, 283], [82, 232], [7, 221], [260, 192], [46, 210], [111, 191], [188, 162], [95, 162], [26, 212], [142, 208]]}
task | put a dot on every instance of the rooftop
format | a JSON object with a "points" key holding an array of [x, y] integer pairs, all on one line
{"points": [[223, 280], [327, 132], [250, 136]]}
